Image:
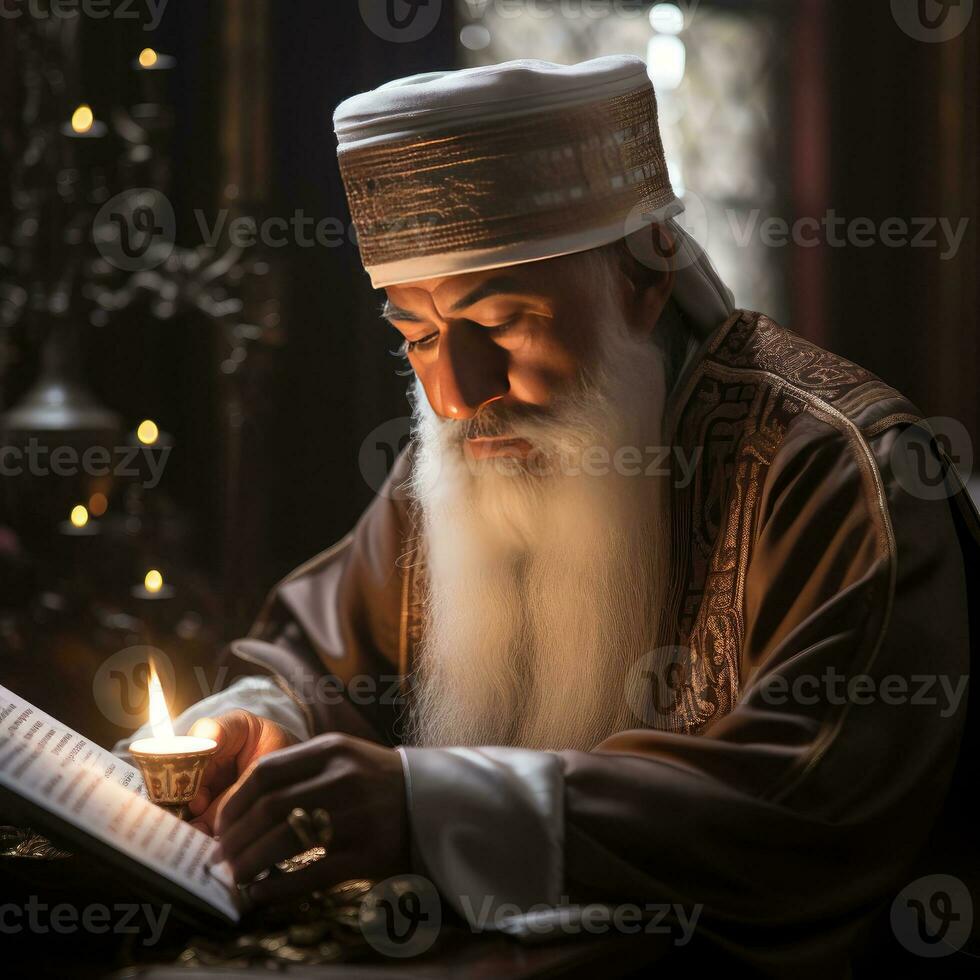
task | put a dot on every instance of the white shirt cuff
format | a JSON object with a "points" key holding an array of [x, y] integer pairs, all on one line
{"points": [[488, 826]]}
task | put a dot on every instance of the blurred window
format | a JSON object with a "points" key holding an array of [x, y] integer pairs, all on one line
{"points": [[714, 67]]}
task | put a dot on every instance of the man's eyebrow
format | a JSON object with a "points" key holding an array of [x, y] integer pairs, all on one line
{"points": [[493, 287], [391, 312]]}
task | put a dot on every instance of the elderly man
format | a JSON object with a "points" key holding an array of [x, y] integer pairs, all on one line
{"points": [[639, 610]]}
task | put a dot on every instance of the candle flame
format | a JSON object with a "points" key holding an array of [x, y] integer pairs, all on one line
{"points": [[153, 581], [79, 515], [148, 432], [82, 119], [147, 58], [160, 721]]}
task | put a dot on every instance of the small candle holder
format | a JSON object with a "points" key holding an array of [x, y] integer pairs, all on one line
{"points": [[172, 768], [165, 591]]}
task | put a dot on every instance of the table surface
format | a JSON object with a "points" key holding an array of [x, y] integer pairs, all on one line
{"points": [[457, 953]]}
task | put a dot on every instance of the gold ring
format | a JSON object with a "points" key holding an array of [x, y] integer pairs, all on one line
{"points": [[323, 826], [311, 830]]}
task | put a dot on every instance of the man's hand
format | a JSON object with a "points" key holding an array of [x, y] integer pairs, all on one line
{"points": [[359, 783], [242, 739]]}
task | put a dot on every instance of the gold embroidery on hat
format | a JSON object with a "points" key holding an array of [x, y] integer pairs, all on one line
{"points": [[507, 181]]}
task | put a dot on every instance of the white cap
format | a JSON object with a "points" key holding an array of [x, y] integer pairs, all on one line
{"points": [[407, 106], [452, 172]]}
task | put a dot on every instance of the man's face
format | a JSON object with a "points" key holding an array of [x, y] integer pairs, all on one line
{"points": [[515, 338], [548, 365]]}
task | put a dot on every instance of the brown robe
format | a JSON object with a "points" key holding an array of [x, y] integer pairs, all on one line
{"points": [[797, 550]]}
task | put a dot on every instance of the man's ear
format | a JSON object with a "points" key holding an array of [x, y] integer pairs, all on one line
{"points": [[647, 261]]}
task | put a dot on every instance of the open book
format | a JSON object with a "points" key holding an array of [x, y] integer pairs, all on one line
{"points": [[85, 794]]}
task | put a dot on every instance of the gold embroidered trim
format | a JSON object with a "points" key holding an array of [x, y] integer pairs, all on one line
{"points": [[507, 181], [886, 423], [868, 466]]}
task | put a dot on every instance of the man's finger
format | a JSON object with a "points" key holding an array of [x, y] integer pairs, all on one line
{"points": [[298, 884], [210, 815], [270, 812], [201, 801], [274, 771], [276, 844], [231, 731]]}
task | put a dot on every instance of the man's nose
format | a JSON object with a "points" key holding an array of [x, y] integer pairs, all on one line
{"points": [[470, 372]]}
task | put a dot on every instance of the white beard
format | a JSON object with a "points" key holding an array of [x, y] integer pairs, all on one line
{"points": [[544, 591]]}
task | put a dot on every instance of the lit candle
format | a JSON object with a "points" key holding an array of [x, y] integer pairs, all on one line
{"points": [[84, 133], [153, 447], [152, 69], [79, 525], [153, 588], [149, 436], [150, 60], [147, 432], [172, 765]]}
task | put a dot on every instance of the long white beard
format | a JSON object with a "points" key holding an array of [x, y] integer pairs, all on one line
{"points": [[544, 591]]}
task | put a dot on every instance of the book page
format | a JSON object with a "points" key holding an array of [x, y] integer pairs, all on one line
{"points": [[45, 762]]}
